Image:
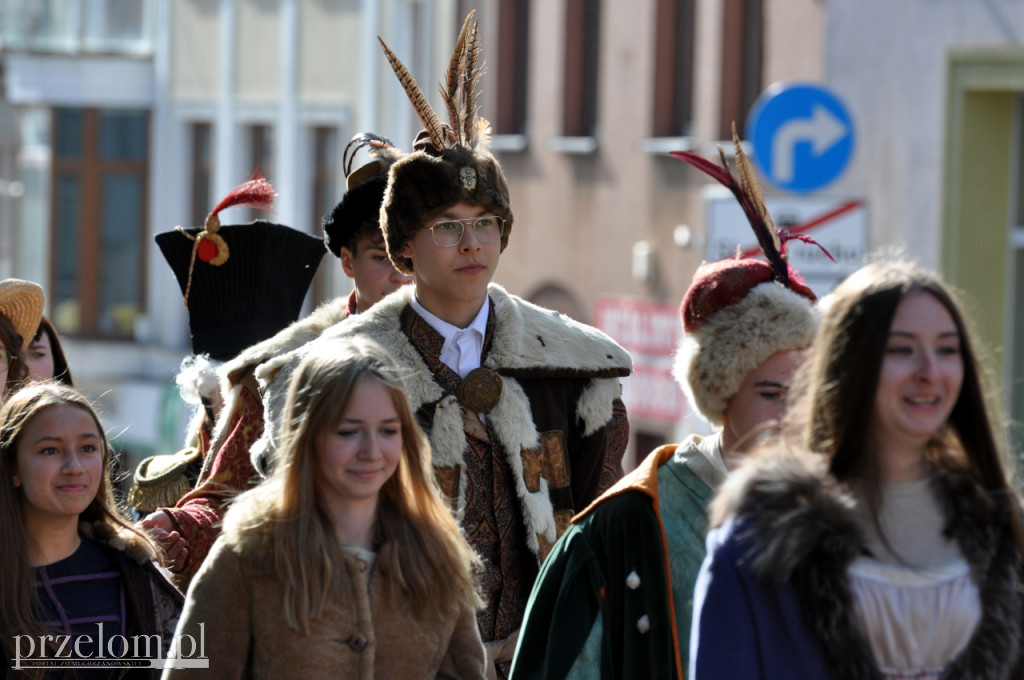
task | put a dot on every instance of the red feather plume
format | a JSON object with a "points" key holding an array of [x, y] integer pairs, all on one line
{"points": [[254, 193], [748, 194]]}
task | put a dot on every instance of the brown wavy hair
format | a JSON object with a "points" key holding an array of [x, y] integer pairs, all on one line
{"points": [[423, 557], [17, 587]]}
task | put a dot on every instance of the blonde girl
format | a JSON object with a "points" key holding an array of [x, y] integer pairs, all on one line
{"points": [[345, 562]]}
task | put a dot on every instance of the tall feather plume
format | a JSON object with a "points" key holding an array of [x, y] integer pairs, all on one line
{"points": [[456, 67], [471, 82], [434, 126], [256, 192], [748, 193], [752, 188]]}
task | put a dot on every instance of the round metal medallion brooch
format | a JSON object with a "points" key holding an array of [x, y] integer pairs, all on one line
{"points": [[480, 390]]}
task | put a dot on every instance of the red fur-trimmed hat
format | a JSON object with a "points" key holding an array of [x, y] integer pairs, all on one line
{"points": [[737, 312], [735, 317]]}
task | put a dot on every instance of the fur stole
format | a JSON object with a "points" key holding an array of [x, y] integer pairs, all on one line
{"points": [[528, 341], [797, 525]]}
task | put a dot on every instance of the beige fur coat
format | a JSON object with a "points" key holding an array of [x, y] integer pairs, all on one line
{"points": [[360, 636]]}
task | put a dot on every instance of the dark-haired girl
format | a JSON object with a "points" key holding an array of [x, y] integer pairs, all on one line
{"points": [[879, 538]]}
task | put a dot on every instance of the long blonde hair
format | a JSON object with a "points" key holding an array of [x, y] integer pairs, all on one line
{"points": [[17, 587], [423, 557]]}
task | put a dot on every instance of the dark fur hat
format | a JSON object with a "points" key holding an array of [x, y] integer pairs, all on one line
{"points": [[450, 163], [420, 186], [358, 211]]}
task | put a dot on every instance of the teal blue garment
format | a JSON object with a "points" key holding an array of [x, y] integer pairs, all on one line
{"points": [[584, 620], [684, 500]]}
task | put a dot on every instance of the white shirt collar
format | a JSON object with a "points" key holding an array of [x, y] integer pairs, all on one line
{"points": [[462, 346]]}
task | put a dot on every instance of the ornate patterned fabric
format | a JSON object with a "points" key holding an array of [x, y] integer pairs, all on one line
{"points": [[197, 515], [492, 522]]}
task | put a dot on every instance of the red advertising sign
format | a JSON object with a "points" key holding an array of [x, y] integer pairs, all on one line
{"points": [[650, 333]]}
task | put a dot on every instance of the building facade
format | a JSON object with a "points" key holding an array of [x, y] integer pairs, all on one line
{"points": [[119, 120]]}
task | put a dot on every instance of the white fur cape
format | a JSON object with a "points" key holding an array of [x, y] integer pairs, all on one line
{"points": [[526, 339]]}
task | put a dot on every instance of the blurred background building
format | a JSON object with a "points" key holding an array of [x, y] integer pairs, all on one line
{"points": [[120, 119]]}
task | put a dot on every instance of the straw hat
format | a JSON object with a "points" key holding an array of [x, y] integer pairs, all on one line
{"points": [[22, 303]]}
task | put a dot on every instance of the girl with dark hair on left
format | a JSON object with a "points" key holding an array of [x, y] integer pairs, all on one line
{"points": [[45, 356], [74, 570]]}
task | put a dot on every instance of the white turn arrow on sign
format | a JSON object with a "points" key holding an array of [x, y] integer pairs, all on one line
{"points": [[822, 129]]}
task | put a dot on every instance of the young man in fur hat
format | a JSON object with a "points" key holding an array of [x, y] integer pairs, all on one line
{"points": [[352, 233], [521, 404], [614, 598]]}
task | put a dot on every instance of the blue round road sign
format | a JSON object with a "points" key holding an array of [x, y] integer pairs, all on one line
{"points": [[802, 136]]}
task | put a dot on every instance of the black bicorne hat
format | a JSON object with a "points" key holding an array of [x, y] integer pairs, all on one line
{"points": [[249, 295]]}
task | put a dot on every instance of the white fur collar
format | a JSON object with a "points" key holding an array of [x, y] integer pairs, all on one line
{"points": [[527, 340], [526, 337]]}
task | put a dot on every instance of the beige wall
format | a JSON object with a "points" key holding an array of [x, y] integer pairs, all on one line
{"points": [[331, 34], [259, 53], [331, 37], [794, 40], [578, 216], [194, 50]]}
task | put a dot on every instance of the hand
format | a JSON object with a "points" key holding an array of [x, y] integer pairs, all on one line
{"points": [[161, 528]]}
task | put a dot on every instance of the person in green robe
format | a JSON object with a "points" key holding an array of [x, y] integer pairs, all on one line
{"points": [[614, 597]]}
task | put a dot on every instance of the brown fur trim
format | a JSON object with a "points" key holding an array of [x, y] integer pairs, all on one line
{"points": [[797, 527]]}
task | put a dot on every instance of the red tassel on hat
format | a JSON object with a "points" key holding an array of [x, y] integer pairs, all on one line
{"points": [[255, 193], [209, 246]]}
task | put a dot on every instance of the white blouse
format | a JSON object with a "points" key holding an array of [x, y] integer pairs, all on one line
{"points": [[916, 621], [913, 595]]}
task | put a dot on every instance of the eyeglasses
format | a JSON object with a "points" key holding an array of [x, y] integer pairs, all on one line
{"points": [[5, 359], [448, 233]]}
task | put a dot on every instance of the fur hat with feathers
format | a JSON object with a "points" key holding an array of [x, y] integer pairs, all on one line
{"points": [[714, 360], [737, 312], [451, 162]]}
